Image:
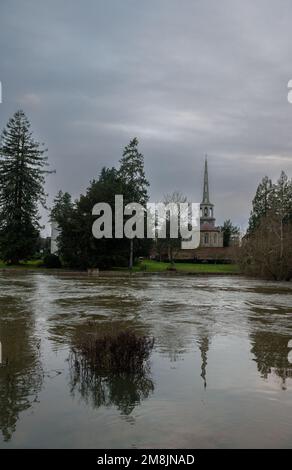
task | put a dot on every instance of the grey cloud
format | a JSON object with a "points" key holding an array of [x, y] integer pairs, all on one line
{"points": [[187, 78]]}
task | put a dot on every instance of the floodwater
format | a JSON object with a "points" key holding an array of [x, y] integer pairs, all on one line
{"points": [[219, 373]]}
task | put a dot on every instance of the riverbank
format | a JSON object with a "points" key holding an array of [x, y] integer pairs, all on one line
{"points": [[143, 269], [190, 268]]}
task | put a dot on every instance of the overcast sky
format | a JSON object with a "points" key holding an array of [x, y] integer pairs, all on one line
{"points": [[187, 77]]}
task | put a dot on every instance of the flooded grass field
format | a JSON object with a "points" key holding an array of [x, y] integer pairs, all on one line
{"points": [[219, 374]]}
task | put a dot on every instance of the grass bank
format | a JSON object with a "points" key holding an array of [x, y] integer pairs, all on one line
{"points": [[31, 264], [147, 266], [159, 266]]}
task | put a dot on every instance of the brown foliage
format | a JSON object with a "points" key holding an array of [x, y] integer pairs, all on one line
{"points": [[267, 252], [112, 351]]}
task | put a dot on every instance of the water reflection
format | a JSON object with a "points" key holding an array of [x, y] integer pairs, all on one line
{"points": [[271, 352], [204, 344], [21, 374], [123, 391], [270, 335], [228, 335]]}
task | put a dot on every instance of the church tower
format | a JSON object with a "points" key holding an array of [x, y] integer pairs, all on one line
{"points": [[211, 236], [207, 209]]}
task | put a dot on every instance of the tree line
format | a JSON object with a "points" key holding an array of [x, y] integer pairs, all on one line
{"points": [[266, 249], [23, 168], [76, 243]]}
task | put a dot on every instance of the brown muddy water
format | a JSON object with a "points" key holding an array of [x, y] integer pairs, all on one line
{"points": [[219, 373]]}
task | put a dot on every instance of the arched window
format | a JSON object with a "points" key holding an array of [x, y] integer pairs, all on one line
{"points": [[206, 211], [206, 238]]}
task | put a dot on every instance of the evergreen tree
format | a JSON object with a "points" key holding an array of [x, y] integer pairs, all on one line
{"points": [[132, 174], [76, 245], [281, 201], [133, 178], [261, 203], [64, 213], [22, 178], [62, 208], [229, 230]]}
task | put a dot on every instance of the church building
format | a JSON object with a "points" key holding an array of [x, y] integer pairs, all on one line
{"points": [[211, 236]]}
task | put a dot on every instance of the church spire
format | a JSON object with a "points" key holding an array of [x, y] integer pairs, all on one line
{"points": [[206, 184]]}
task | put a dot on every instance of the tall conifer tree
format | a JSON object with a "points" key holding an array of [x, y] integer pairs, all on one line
{"points": [[22, 178], [132, 175], [261, 204]]}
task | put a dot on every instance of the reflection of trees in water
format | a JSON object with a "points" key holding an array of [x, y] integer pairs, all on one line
{"points": [[271, 354], [270, 348], [21, 377], [125, 391]]}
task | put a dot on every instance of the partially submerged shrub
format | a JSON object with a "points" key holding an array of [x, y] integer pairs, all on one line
{"points": [[111, 367], [119, 352]]}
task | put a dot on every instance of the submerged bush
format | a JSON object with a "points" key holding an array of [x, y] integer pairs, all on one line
{"points": [[119, 352], [109, 366]]}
